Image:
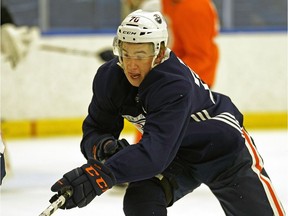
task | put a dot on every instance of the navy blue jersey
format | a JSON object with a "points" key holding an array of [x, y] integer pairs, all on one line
{"points": [[172, 107]]}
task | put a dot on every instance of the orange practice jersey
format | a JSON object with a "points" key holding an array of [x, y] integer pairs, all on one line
{"points": [[193, 25]]}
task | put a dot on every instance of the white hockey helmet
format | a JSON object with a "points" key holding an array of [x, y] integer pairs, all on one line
{"points": [[142, 27]]}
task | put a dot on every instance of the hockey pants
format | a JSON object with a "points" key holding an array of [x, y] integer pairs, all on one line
{"points": [[244, 189]]}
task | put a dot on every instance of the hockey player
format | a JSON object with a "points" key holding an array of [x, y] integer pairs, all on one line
{"points": [[191, 135], [2, 160]]}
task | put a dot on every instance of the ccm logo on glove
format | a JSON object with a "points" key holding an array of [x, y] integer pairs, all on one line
{"points": [[99, 180], [85, 182]]}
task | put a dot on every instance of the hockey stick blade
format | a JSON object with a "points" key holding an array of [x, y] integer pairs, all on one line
{"points": [[56, 204]]}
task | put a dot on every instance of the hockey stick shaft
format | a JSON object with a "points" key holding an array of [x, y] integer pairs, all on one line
{"points": [[104, 55], [72, 51], [56, 204]]}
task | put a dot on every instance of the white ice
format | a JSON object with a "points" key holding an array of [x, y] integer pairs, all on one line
{"points": [[38, 163]]}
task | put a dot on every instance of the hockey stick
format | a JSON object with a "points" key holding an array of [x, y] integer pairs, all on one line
{"points": [[56, 204], [72, 51], [16, 43], [105, 55]]}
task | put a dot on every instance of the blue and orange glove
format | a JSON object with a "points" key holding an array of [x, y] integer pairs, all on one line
{"points": [[85, 182]]}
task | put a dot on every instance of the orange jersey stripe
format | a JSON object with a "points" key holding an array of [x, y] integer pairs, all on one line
{"points": [[257, 167]]}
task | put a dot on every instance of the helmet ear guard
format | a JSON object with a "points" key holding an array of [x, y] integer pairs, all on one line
{"points": [[116, 48], [142, 27]]}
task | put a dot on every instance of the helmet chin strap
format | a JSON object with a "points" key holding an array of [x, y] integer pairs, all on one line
{"points": [[154, 58], [120, 62], [164, 58], [153, 62]]}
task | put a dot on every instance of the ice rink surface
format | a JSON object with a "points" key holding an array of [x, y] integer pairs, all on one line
{"points": [[37, 163]]}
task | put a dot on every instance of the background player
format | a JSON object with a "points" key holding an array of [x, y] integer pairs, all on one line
{"points": [[194, 25], [2, 160], [190, 134]]}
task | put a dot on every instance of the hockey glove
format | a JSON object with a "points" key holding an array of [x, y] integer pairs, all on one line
{"points": [[86, 182], [108, 147]]}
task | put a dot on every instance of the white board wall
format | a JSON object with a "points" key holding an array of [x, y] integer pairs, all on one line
{"points": [[252, 71]]}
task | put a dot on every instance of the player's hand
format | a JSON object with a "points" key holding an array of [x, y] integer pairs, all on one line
{"points": [[86, 182], [108, 147]]}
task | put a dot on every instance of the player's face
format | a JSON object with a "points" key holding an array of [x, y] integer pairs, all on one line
{"points": [[137, 60]]}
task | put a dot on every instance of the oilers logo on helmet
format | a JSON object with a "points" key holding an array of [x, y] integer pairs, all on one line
{"points": [[158, 18]]}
